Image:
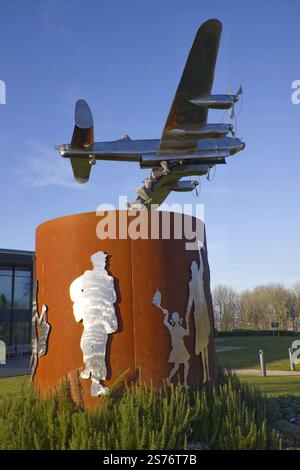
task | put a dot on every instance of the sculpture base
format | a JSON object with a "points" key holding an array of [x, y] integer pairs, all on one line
{"points": [[149, 343]]}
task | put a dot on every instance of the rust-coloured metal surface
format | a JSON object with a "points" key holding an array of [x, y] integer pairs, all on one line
{"points": [[142, 343]]}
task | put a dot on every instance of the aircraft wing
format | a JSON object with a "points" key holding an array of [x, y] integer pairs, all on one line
{"points": [[196, 81], [162, 189]]}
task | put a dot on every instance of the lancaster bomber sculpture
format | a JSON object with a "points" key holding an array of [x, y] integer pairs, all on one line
{"points": [[189, 146]]}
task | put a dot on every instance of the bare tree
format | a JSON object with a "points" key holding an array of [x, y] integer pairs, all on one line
{"points": [[257, 308], [226, 302]]}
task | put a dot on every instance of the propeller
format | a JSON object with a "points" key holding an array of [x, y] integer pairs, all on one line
{"points": [[211, 173], [197, 190], [231, 112], [233, 129]]}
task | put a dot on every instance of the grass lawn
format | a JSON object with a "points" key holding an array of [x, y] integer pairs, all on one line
{"points": [[275, 386], [13, 385], [275, 352]]}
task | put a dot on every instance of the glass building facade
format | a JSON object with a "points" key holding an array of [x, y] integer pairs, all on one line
{"points": [[16, 277]]}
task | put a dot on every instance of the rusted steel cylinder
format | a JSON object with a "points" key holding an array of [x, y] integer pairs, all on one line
{"points": [[150, 342]]}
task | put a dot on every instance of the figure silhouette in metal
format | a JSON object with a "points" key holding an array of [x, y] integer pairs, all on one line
{"points": [[179, 353], [197, 300], [94, 295], [40, 330]]}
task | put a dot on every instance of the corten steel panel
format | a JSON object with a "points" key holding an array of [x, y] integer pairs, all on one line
{"points": [[63, 250], [165, 265], [139, 267]]}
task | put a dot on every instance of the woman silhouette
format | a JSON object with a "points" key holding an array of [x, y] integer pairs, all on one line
{"points": [[201, 316]]}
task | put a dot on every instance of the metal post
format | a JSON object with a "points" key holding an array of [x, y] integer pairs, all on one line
{"points": [[262, 363], [292, 365]]}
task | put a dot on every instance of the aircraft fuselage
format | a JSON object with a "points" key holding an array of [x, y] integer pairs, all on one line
{"points": [[145, 151]]}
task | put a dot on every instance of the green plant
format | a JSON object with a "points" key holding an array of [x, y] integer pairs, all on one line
{"points": [[232, 416], [225, 334]]}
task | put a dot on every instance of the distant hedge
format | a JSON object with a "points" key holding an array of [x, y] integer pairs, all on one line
{"points": [[256, 333]]}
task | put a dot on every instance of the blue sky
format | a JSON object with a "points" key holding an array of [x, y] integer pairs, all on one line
{"points": [[125, 58]]}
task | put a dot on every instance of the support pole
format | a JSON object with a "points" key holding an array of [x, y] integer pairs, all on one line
{"points": [[262, 363], [292, 365]]}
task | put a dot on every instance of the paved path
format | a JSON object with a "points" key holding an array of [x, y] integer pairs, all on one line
{"points": [[228, 348], [221, 347], [14, 367], [269, 372]]}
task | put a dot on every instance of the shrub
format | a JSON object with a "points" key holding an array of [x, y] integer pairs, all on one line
{"points": [[234, 416], [220, 334]]}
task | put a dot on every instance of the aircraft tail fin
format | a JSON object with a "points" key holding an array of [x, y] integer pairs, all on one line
{"points": [[83, 137]]}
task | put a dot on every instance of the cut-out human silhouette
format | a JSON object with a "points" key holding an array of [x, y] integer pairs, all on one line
{"points": [[94, 295], [201, 316], [40, 330], [179, 353]]}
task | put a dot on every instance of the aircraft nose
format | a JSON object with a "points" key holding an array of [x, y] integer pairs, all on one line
{"points": [[239, 146]]}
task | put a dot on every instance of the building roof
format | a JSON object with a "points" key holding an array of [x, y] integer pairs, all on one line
{"points": [[17, 252], [16, 257]]}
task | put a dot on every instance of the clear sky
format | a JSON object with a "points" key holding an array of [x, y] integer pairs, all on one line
{"points": [[125, 58]]}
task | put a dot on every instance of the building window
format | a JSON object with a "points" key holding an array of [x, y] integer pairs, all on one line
{"points": [[15, 305], [6, 277], [6, 283], [22, 288]]}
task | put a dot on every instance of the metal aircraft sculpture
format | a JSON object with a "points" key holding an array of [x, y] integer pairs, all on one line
{"points": [[189, 146]]}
